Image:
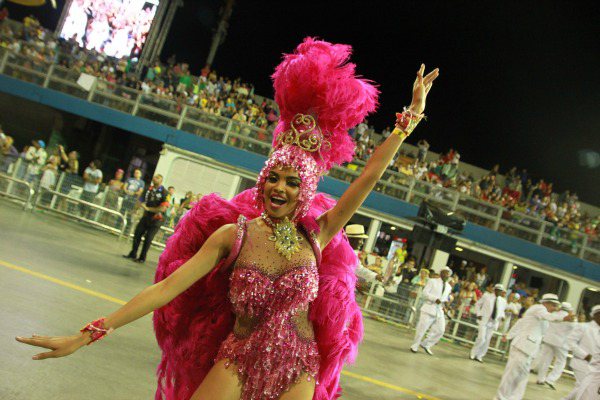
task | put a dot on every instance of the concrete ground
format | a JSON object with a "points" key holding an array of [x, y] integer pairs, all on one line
{"points": [[56, 275]]}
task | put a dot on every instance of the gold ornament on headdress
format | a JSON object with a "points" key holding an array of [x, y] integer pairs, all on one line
{"points": [[286, 238], [304, 133]]}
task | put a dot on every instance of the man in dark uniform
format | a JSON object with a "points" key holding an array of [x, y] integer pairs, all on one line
{"points": [[156, 202]]}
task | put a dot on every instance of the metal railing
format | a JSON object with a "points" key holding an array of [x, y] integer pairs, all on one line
{"points": [[81, 210], [257, 140], [16, 189], [402, 308]]}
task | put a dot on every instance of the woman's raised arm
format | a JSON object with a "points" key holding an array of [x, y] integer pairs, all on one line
{"points": [[216, 247], [333, 220]]}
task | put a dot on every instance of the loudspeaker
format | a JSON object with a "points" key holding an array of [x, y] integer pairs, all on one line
{"points": [[437, 240], [439, 215]]}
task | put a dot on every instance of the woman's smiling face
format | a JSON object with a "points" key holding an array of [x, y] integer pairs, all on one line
{"points": [[280, 195]]}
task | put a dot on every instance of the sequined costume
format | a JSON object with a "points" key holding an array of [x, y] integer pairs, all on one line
{"points": [[272, 344]]}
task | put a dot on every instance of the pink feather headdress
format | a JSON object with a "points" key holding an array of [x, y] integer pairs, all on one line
{"points": [[319, 98]]}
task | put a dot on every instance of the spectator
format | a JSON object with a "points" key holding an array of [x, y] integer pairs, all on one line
{"points": [[115, 187], [8, 153], [69, 165], [137, 162], [92, 176], [421, 279], [172, 209], [481, 278], [423, 148], [467, 297], [36, 158], [513, 308], [133, 189], [49, 176], [408, 269]]}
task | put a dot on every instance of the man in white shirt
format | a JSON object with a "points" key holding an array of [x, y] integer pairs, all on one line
{"points": [[356, 236], [554, 346], [512, 310], [490, 311], [435, 295], [585, 344], [36, 158], [526, 337]]}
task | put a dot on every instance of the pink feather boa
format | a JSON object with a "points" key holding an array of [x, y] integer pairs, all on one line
{"points": [[190, 329]]}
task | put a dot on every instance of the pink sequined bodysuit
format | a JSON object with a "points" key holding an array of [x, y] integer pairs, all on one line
{"points": [[272, 344]]}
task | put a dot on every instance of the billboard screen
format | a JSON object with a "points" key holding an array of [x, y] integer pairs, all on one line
{"points": [[117, 28]]}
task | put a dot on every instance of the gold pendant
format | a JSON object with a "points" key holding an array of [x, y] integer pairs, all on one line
{"points": [[286, 238]]}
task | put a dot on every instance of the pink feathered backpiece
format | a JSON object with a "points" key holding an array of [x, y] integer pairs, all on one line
{"points": [[190, 329]]}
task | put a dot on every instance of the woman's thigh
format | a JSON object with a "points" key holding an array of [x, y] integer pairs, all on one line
{"points": [[303, 390], [220, 384]]}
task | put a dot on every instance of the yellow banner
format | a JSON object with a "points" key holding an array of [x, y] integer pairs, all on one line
{"points": [[31, 3]]}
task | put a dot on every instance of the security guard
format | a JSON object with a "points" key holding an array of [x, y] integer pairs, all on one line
{"points": [[156, 202]]}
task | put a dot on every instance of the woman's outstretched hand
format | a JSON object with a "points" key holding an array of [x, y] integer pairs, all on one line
{"points": [[61, 346], [421, 88]]}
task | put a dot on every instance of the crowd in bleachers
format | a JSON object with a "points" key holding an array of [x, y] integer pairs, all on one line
{"points": [[515, 191], [217, 95], [214, 94]]}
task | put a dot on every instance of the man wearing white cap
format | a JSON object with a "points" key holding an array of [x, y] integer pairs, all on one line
{"points": [[585, 344], [490, 311], [526, 337], [554, 346], [435, 294]]}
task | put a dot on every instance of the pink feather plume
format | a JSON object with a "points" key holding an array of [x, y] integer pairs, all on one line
{"points": [[319, 80]]}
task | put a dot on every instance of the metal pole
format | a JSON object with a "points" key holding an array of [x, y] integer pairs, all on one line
{"points": [[538, 239], [160, 42], [48, 75], [4, 61], [148, 50], [181, 117], [136, 106], [92, 90], [221, 31], [411, 187], [63, 17], [498, 218], [456, 196], [584, 243], [227, 131]]}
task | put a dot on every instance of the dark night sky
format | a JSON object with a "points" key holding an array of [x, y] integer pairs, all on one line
{"points": [[518, 81]]}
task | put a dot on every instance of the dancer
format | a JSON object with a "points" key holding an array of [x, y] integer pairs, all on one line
{"points": [[435, 294], [526, 337], [555, 346], [585, 340], [490, 311], [291, 320]]}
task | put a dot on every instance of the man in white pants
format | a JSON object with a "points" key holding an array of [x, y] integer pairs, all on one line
{"points": [[490, 311], [526, 338], [585, 343], [435, 294], [555, 346]]}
